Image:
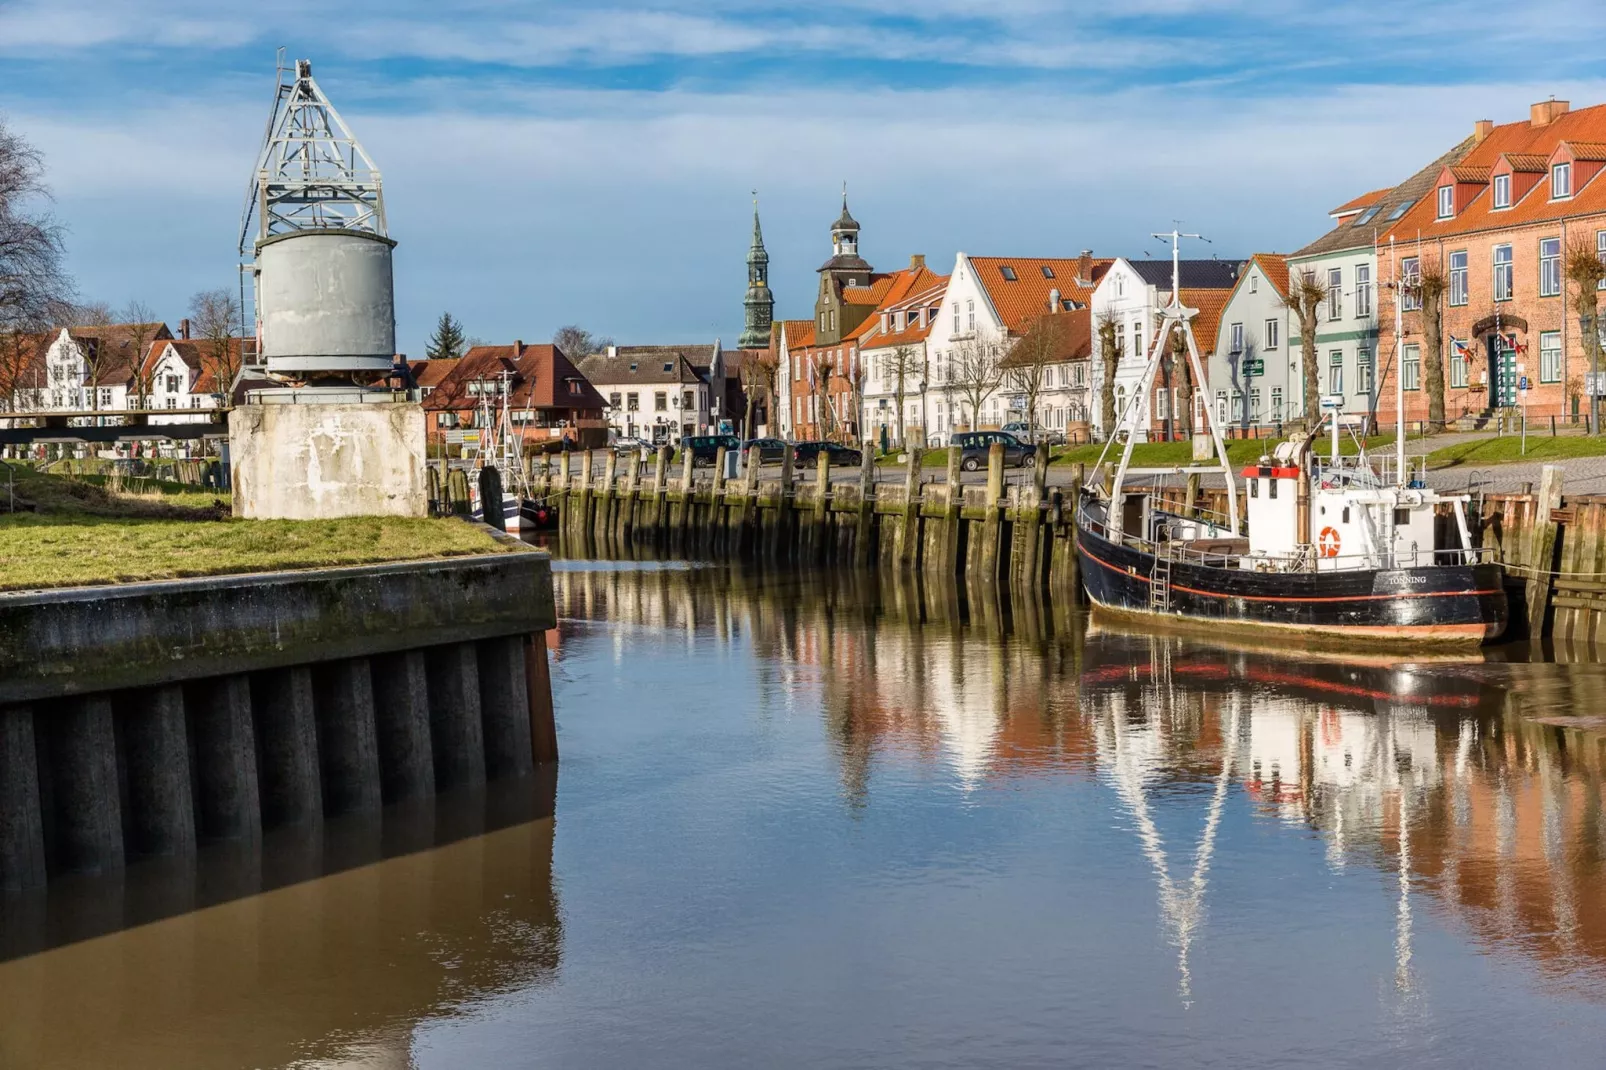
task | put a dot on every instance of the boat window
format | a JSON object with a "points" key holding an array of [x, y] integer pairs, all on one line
{"points": [[1254, 488], [1346, 514], [1271, 490], [1402, 518]]}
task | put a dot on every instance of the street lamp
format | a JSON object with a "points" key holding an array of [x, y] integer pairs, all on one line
{"points": [[1586, 324]]}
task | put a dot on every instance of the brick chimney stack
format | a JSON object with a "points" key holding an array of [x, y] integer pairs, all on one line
{"points": [[184, 329], [1547, 111], [1054, 300], [1084, 268], [917, 261], [518, 348], [1482, 129]]}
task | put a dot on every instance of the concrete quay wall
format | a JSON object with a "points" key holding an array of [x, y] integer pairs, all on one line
{"points": [[147, 719]]}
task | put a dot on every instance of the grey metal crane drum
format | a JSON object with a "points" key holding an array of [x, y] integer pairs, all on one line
{"points": [[326, 301]]}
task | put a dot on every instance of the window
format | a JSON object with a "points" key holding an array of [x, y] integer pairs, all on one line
{"points": [[1549, 267], [1335, 293], [1411, 367], [1446, 202], [1410, 282], [956, 317], [1458, 278], [614, 399], [1008, 273], [1276, 403], [1363, 290], [1079, 375], [1502, 191], [446, 419], [1502, 272], [1368, 215], [1254, 406], [970, 315], [687, 400], [1237, 338], [171, 382], [1335, 372], [1221, 406], [105, 397], [1254, 284], [1458, 366], [1561, 181], [1363, 371], [172, 403], [660, 402], [1254, 487], [1238, 404], [632, 402], [1273, 334], [1550, 357], [1048, 272], [574, 387], [1399, 210], [1162, 404]]}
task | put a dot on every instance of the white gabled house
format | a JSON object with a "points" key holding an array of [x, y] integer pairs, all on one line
{"points": [[894, 343]]}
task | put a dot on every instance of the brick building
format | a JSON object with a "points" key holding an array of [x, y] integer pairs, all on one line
{"points": [[1498, 225]]}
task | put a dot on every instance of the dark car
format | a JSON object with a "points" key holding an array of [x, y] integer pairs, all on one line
{"points": [[805, 454], [765, 450], [704, 449], [974, 446]]}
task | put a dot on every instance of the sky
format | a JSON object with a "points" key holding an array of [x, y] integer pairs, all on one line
{"points": [[594, 163]]}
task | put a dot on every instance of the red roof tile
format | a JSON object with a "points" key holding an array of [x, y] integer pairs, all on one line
{"points": [[1364, 201], [1026, 297], [1071, 337]]}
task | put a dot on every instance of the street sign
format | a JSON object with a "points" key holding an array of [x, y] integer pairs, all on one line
{"points": [[1522, 384], [1595, 384], [1254, 366]]}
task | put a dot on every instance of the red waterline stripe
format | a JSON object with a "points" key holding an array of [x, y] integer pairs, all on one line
{"points": [[1287, 598]]}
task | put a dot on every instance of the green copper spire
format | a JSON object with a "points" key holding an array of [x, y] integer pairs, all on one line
{"points": [[760, 303]]}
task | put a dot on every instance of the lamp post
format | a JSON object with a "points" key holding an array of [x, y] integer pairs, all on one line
{"points": [[925, 425], [1586, 324]]}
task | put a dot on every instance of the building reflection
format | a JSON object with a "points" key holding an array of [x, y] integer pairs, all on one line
{"points": [[1468, 786]]}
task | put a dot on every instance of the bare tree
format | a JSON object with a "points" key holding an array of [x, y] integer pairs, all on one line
{"points": [[34, 288], [1186, 388], [856, 375], [577, 342], [1586, 271], [213, 314], [906, 365], [825, 422], [1305, 297], [976, 371], [1031, 357], [97, 340], [758, 386], [20, 352], [1109, 358], [141, 325]]}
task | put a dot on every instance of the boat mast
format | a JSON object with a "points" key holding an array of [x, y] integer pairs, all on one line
{"points": [[1175, 317], [1399, 369]]}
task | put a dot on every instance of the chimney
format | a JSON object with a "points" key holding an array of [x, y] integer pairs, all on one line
{"points": [[613, 351], [917, 261], [1482, 129], [1084, 268], [1054, 300], [1547, 111], [184, 329], [518, 348]]}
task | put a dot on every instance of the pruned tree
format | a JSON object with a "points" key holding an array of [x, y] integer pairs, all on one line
{"points": [[1185, 387], [758, 386], [20, 355], [1031, 357], [976, 372], [35, 291], [141, 326], [1305, 297], [822, 369], [577, 342], [856, 375], [1585, 271], [1426, 288], [1109, 358], [906, 367], [97, 341], [213, 314], [448, 342]]}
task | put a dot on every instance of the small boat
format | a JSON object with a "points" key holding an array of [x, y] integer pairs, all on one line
{"points": [[539, 515], [1334, 548], [512, 519]]}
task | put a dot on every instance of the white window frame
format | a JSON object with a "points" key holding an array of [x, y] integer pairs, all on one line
{"points": [[1335, 293], [1446, 202], [1501, 272], [1276, 403], [1561, 181], [1273, 334], [1458, 369], [1410, 276], [1502, 191], [1237, 338], [1363, 371], [1335, 371], [1458, 279], [1550, 267], [1550, 356], [1411, 367], [1363, 290]]}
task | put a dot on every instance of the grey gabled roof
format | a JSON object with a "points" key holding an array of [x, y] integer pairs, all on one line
{"points": [[1196, 274], [1349, 235], [648, 363]]}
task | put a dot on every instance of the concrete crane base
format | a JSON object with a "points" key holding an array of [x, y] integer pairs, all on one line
{"points": [[321, 460]]}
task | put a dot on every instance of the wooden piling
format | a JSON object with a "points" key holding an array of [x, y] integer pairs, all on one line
{"points": [[1542, 548]]}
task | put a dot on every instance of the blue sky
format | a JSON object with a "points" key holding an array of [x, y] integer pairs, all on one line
{"points": [[592, 162]]}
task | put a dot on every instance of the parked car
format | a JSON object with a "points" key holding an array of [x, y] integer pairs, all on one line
{"points": [[1021, 430], [764, 450], [974, 446], [630, 445], [704, 449], [804, 454]]}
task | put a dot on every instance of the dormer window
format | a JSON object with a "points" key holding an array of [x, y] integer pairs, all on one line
{"points": [[1399, 210], [1048, 272], [1502, 191], [669, 366], [1561, 181], [1008, 273], [1446, 202], [1368, 215]]}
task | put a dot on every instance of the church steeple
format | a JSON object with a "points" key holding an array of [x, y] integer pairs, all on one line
{"points": [[759, 305]]}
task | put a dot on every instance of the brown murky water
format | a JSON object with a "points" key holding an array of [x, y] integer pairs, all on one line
{"points": [[837, 821]]}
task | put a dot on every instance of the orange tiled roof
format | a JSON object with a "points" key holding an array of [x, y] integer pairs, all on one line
{"points": [[1364, 201], [1275, 266], [919, 300], [799, 333], [429, 373], [1468, 173], [203, 359], [872, 294], [1026, 297], [536, 371], [1207, 324], [1072, 338], [1593, 151], [1532, 162], [1520, 143]]}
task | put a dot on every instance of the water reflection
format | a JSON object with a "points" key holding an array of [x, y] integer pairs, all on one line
{"points": [[1469, 787], [336, 971]]}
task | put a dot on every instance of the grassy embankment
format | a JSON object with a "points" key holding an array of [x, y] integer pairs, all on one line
{"points": [[1508, 449], [1162, 454], [73, 532]]}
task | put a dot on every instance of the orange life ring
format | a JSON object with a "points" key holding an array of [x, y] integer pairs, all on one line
{"points": [[1328, 542]]}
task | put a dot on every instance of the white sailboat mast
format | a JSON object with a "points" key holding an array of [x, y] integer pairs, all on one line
{"points": [[1175, 317], [1399, 369]]}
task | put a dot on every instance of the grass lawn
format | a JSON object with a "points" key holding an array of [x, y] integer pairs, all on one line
{"points": [[1507, 449], [70, 533]]}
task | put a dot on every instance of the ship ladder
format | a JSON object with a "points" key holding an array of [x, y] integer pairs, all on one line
{"points": [[1160, 584]]}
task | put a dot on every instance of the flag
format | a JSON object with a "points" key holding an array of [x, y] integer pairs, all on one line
{"points": [[1461, 349]]}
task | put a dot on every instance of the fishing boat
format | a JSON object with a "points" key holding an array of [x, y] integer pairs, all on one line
{"points": [[498, 447], [1335, 547]]}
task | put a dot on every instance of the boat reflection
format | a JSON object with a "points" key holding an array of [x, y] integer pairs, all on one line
{"points": [[1468, 785]]}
